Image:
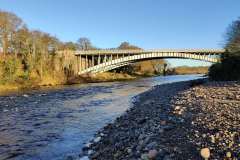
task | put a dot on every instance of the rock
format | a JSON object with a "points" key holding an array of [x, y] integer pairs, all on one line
{"points": [[90, 152], [97, 139], [228, 154], [25, 95], [205, 153], [204, 135], [88, 145], [167, 157], [144, 156], [163, 122], [161, 130], [129, 150], [212, 139], [152, 154], [176, 117], [177, 108], [151, 145]]}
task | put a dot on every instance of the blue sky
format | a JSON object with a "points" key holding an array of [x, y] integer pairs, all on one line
{"points": [[150, 24]]}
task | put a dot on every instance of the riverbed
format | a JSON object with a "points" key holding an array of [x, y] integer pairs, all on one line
{"points": [[56, 123]]}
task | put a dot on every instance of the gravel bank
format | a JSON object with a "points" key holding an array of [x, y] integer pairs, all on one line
{"points": [[175, 121]]}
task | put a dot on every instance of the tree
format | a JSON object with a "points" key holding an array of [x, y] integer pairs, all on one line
{"points": [[158, 65], [127, 46], [9, 25], [229, 67], [70, 46], [84, 44], [21, 42], [233, 37]]}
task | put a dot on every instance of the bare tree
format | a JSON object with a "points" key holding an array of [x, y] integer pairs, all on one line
{"points": [[127, 45], [9, 25], [233, 37], [84, 44]]}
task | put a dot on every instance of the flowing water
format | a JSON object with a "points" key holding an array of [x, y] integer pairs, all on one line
{"points": [[55, 124]]}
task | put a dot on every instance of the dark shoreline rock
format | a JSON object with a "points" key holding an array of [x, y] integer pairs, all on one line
{"points": [[175, 121]]}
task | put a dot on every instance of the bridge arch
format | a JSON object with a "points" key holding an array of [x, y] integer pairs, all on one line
{"points": [[122, 61]]}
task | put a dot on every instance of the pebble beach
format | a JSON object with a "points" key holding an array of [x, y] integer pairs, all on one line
{"points": [[184, 120]]}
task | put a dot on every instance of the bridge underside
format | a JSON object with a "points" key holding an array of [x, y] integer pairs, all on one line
{"points": [[95, 62]]}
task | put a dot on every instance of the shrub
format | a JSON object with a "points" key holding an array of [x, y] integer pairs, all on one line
{"points": [[227, 70], [9, 69]]}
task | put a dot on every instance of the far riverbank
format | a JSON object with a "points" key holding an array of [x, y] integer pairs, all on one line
{"points": [[28, 85], [47, 82], [183, 120]]}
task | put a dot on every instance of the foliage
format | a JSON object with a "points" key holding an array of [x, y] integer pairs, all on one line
{"points": [[229, 67], [127, 46], [29, 54], [227, 70], [9, 24], [233, 38], [10, 68], [69, 46], [181, 70]]}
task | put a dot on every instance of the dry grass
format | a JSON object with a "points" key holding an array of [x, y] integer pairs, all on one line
{"points": [[191, 70]]}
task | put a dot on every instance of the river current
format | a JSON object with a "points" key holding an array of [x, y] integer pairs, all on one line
{"points": [[56, 123]]}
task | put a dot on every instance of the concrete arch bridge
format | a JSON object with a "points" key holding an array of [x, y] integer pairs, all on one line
{"points": [[96, 61]]}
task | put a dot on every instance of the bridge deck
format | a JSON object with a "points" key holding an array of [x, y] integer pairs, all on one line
{"points": [[194, 51]]}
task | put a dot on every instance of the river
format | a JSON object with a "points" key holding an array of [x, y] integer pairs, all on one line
{"points": [[56, 123]]}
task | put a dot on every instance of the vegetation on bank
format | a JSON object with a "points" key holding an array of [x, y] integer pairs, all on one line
{"points": [[229, 67], [188, 70], [30, 58]]}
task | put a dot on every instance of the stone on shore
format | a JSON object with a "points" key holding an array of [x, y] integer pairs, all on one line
{"points": [[176, 121], [205, 153]]}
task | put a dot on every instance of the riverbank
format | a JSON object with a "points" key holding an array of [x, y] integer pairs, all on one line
{"points": [[49, 81], [184, 120]]}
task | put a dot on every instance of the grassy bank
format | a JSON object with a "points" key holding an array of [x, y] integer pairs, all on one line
{"points": [[182, 70], [49, 80]]}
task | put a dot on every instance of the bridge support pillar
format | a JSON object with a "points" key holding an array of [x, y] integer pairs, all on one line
{"points": [[92, 60], [105, 58], [99, 59], [80, 63], [86, 62]]}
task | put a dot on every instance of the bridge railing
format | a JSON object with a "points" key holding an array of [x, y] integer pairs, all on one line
{"points": [[194, 51]]}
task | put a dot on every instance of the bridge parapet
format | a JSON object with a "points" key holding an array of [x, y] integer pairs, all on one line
{"points": [[139, 51]]}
